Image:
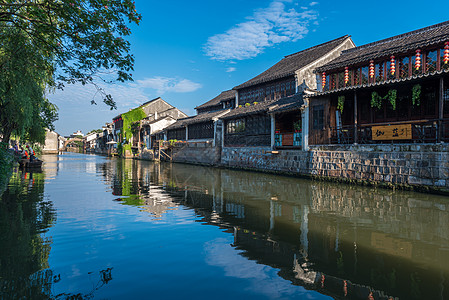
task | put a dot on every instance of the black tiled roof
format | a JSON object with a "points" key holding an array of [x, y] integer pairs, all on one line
{"points": [[195, 119], [249, 110], [290, 103], [293, 62], [413, 40], [226, 95], [284, 104]]}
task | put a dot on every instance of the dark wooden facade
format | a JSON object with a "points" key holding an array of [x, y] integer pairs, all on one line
{"points": [[250, 130], [203, 130], [272, 90], [178, 134], [400, 81]]}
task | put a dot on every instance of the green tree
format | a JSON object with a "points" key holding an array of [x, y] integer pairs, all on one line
{"points": [[25, 74], [83, 37]]}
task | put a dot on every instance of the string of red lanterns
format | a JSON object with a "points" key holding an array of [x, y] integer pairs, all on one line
{"points": [[346, 75], [392, 65], [418, 59], [446, 53], [371, 69], [323, 80]]}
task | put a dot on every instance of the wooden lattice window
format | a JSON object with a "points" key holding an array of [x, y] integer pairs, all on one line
{"points": [[431, 61], [318, 117], [341, 80], [177, 134], [443, 66], [404, 67], [365, 75], [379, 72], [204, 130]]}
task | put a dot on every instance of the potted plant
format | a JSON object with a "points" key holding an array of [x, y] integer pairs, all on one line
{"points": [[297, 126]]}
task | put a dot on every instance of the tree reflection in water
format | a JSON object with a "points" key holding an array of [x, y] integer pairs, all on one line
{"points": [[25, 218]]}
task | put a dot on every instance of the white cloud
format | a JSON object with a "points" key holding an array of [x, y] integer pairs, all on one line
{"points": [[165, 84], [265, 28], [231, 69], [313, 3]]}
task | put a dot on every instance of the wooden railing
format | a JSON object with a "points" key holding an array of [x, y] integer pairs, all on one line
{"points": [[288, 139], [422, 131]]}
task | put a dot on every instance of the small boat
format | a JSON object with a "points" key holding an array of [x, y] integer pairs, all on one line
{"points": [[26, 163]]}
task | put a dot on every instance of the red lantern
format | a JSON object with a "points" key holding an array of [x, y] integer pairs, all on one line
{"points": [[446, 53], [371, 69], [418, 59], [346, 75], [392, 65], [323, 80]]}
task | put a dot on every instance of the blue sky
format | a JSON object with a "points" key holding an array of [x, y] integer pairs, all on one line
{"points": [[187, 52]]}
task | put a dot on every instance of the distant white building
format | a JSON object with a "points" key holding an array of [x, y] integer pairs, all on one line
{"points": [[77, 133], [53, 142]]}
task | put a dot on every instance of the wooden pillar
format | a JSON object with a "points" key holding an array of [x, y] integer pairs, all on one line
{"points": [[273, 129], [355, 118], [440, 109]]}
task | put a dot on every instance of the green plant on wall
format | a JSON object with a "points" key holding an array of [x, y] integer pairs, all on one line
{"points": [[129, 118], [376, 99], [416, 95], [341, 103], [392, 96]]}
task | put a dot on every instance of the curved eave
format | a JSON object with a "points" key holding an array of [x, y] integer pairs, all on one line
{"points": [[383, 83]]}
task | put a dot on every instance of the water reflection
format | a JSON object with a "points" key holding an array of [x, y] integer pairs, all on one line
{"points": [[343, 241], [25, 216]]}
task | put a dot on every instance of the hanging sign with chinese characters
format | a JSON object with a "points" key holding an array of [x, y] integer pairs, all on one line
{"points": [[392, 132]]}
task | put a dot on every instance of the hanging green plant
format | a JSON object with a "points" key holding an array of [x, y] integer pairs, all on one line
{"points": [[341, 103], [392, 96], [376, 99], [416, 95]]}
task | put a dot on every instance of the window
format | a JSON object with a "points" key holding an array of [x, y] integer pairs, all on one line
{"points": [[235, 126], [365, 75], [379, 72], [333, 83], [341, 80], [356, 77], [390, 75], [318, 117], [443, 66], [403, 67]]}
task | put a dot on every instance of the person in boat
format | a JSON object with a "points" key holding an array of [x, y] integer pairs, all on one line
{"points": [[31, 153], [24, 152]]}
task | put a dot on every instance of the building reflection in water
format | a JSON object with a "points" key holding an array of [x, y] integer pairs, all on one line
{"points": [[343, 241]]}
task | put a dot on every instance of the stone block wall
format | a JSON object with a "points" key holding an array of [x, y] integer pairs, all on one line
{"points": [[261, 158], [421, 166], [202, 153]]}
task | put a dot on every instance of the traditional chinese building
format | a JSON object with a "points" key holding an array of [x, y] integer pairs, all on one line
{"points": [[268, 111], [203, 126], [226, 100], [393, 90], [156, 114]]}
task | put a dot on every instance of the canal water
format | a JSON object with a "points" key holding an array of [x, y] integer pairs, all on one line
{"points": [[91, 227]]}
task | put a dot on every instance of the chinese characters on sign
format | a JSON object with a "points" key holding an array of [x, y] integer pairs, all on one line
{"points": [[392, 132]]}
